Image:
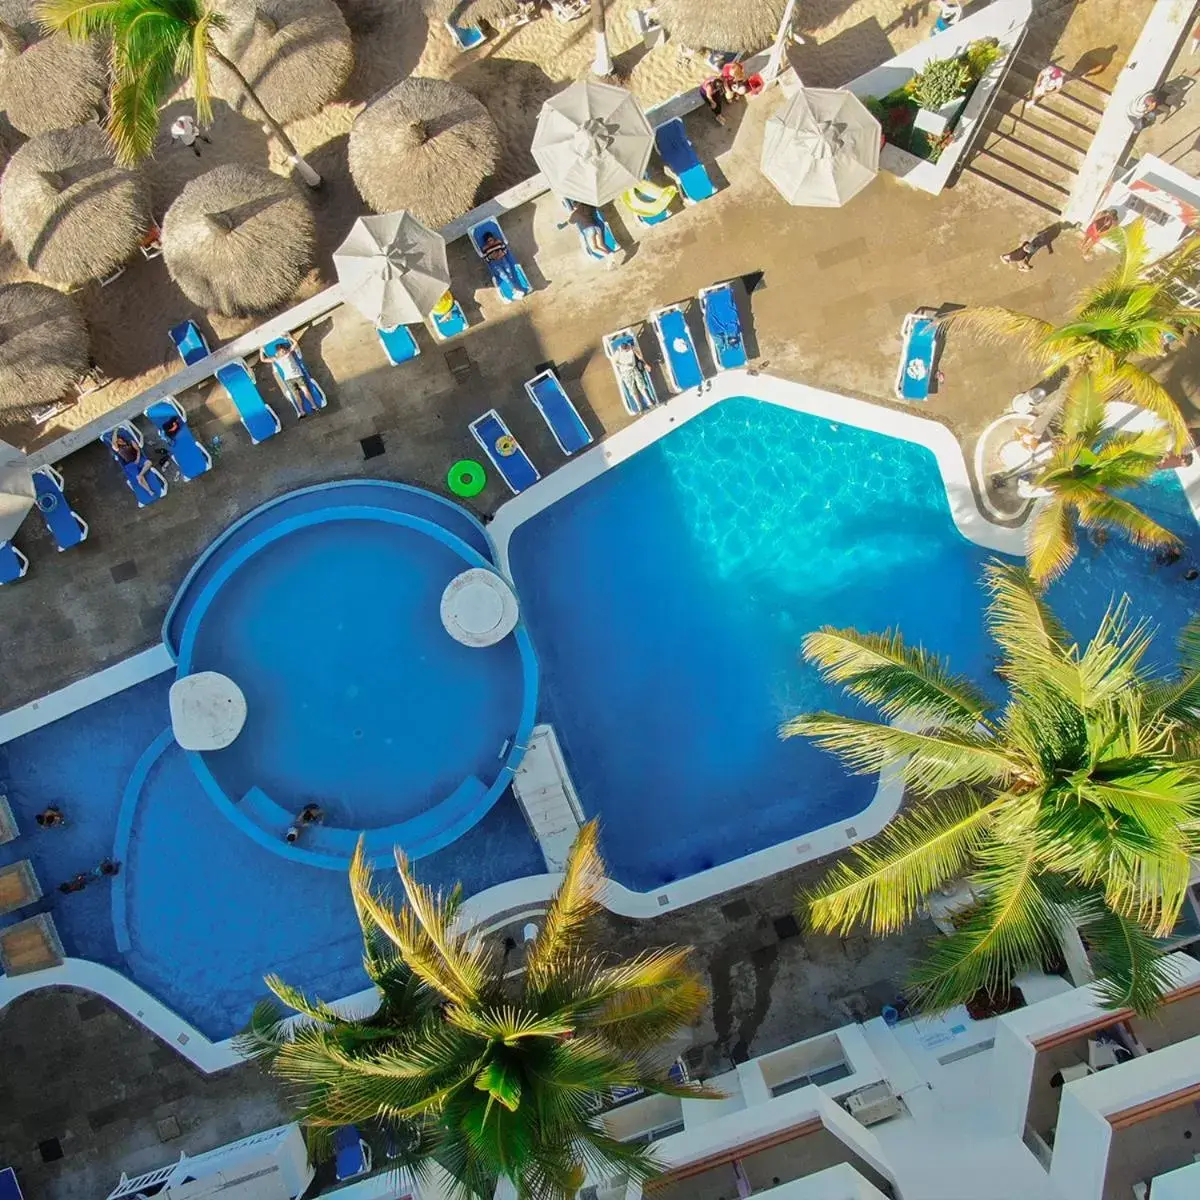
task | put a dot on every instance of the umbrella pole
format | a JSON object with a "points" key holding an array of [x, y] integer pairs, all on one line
{"points": [[602, 64], [775, 60]]}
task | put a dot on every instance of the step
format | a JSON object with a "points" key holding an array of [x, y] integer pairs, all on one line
{"points": [[1008, 145], [988, 172], [1037, 129], [1026, 175]]}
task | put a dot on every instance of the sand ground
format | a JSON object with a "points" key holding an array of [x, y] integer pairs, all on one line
{"points": [[512, 73]]}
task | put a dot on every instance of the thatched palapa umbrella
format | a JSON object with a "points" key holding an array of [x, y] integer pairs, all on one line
{"points": [[471, 12], [238, 239], [70, 212], [295, 54], [51, 83], [43, 348], [425, 145], [744, 26]]}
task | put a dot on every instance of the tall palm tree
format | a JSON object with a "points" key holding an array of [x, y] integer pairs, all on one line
{"points": [[1076, 801], [1081, 482], [155, 45], [486, 1075], [1126, 316]]}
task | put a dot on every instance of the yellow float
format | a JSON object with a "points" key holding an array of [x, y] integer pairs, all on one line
{"points": [[648, 200]]}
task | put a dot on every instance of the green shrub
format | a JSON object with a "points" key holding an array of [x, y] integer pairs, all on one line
{"points": [[876, 108], [941, 81], [980, 55]]}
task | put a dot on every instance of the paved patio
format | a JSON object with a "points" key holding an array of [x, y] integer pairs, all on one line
{"points": [[833, 287]]}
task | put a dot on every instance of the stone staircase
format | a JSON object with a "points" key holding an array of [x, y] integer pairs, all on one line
{"points": [[1035, 152]]}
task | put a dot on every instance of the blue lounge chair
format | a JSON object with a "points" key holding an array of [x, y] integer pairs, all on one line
{"points": [[605, 232], [448, 324], [148, 488], [257, 415], [190, 342], [610, 342], [680, 362], [398, 344], [918, 336], [293, 395], [351, 1155], [10, 1189], [681, 162], [558, 412], [504, 451], [466, 37], [66, 526], [503, 283], [723, 326], [13, 564], [188, 455]]}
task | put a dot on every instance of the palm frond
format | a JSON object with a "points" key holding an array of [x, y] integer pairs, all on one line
{"points": [[904, 683], [265, 1032], [1132, 971], [1035, 643], [1132, 383], [1113, 512], [885, 880], [1050, 544], [997, 325]]}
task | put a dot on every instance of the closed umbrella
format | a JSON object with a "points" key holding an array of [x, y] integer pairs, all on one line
{"points": [[392, 269], [71, 213], [592, 142], [822, 148], [16, 490]]}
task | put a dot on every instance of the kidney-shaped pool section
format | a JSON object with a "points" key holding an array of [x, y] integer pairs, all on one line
{"points": [[323, 608]]}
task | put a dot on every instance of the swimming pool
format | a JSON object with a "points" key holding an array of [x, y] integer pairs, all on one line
{"points": [[666, 581]]}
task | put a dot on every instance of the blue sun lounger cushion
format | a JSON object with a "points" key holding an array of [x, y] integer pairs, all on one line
{"points": [[680, 362], [189, 341], [351, 1155], [449, 324], [611, 342], [293, 397], [66, 526], [503, 282], [398, 344], [192, 459], [148, 488], [257, 415], [681, 162], [13, 564], [504, 451], [558, 412], [918, 337], [723, 326], [606, 234], [466, 37]]}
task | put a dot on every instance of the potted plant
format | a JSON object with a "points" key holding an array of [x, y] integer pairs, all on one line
{"points": [[940, 90]]}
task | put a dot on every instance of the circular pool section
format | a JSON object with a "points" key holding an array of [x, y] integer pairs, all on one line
{"points": [[358, 700]]}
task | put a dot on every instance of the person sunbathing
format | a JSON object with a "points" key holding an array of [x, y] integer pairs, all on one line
{"points": [[285, 354], [495, 253], [134, 463], [587, 219]]}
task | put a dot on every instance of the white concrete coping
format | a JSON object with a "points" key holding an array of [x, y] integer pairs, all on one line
{"points": [[208, 711], [479, 608]]}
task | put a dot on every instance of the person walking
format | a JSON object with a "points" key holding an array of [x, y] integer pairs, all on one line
{"points": [[1020, 257], [1050, 79], [186, 132]]}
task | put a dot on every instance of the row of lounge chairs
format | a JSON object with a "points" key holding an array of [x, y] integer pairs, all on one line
{"points": [[681, 365], [64, 524]]}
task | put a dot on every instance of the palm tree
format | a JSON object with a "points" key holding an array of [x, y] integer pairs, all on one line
{"points": [[1077, 801], [1081, 482], [155, 44], [487, 1076], [1127, 315]]}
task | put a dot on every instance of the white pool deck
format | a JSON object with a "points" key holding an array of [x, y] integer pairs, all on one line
{"points": [[530, 893]]}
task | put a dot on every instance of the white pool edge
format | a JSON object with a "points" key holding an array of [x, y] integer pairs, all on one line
{"points": [[530, 893]]}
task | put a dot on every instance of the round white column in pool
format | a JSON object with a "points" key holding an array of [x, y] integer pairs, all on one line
{"points": [[479, 608]]}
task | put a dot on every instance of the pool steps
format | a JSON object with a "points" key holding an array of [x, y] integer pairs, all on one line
{"points": [[543, 788]]}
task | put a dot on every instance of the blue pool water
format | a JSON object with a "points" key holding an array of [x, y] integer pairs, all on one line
{"points": [[668, 599]]}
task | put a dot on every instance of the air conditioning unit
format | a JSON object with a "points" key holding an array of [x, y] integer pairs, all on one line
{"points": [[874, 1103]]}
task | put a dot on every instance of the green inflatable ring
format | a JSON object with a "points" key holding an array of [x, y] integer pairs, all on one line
{"points": [[466, 478]]}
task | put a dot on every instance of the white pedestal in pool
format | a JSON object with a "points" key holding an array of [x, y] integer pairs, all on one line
{"points": [[208, 711], [479, 608]]}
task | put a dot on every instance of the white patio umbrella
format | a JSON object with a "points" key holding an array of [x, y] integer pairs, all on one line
{"points": [[17, 493], [592, 142], [822, 148], [392, 269]]}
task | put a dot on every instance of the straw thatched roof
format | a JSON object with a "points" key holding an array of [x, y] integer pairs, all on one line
{"points": [[744, 26], [53, 83], [43, 348], [295, 54], [471, 12], [238, 239], [425, 145], [69, 211]]}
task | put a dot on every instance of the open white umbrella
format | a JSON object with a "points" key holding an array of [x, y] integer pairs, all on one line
{"points": [[592, 142], [392, 269], [822, 148], [17, 492]]}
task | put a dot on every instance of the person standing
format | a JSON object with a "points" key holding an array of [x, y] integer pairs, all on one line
{"points": [[186, 132], [1050, 79]]}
